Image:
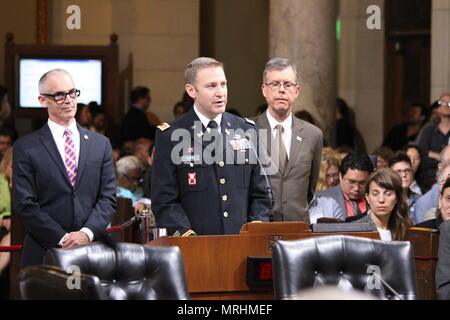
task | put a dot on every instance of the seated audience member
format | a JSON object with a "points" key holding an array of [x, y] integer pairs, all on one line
{"points": [[401, 164], [129, 177], [344, 151], [135, 124], [5, 206], [443, 174], [179, 109], [430, 199], [383, 154], [346, 199], [402, 134], [148, 173], [419, 184], [443, 264], [345, 131], [98, 122], [436, 136], [443, 211], [140, 150], [83, 115], [388, 208], [6, 140], [329, 169]]}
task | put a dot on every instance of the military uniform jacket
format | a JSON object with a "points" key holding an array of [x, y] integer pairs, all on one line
{"points": [[191, 195]]}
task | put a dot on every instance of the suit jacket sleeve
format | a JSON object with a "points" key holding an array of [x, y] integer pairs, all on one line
{"points": [[166, 203], [315, 167], [44, 229], [105, 207], [259, 209], [443, 265]]}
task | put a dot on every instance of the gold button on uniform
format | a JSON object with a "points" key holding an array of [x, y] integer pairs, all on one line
{"points": [[224, 198], [191, 164], [222, 181], [221, 163], [225, 214]]}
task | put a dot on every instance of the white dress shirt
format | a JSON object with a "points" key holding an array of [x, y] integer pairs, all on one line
{"points": [[287, 134], [57, 132], [205, 120]]}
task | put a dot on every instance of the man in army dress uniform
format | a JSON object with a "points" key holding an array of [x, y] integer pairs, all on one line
{"points": [[206, 178]]}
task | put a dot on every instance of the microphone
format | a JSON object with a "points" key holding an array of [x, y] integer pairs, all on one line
{"points": [[373, 271], [268, 188]]}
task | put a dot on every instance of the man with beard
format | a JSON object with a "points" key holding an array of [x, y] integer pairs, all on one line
{"points": [[293, 145], [403, 133]]}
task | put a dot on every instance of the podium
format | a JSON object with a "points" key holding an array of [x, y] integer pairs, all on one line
{"points": [[216, 266], [425, 243]]}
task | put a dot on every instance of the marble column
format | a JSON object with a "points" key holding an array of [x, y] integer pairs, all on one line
{"points": [[440, 48], [304, 31]]}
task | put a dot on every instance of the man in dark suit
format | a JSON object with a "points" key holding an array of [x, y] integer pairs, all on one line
{"points": [[294, 145], [135, 124], [63, 175], [443, 265], [205, 179]]}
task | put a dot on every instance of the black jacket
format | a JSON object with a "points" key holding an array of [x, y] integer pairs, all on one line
{"points": [[207, 199]]}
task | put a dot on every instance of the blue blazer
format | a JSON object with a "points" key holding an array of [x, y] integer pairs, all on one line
{"points": [[44, 199]]}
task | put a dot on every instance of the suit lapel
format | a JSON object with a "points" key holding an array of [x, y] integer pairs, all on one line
{"points": [[49, 143], [84, 151], [296, 143]]}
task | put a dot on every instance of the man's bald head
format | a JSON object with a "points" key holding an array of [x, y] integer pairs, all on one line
{"points": [[43, 80]]}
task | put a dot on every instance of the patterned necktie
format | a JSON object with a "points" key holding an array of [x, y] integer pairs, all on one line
{"points": [[282, 149], [70, 158], [355, 208]]}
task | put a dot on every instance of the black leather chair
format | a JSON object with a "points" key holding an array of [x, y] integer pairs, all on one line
{"points": [[345, 262], [50, 283], [134, 272]]}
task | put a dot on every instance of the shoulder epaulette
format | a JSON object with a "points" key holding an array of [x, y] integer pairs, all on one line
{"points": [[163, 126], [249, 121]]}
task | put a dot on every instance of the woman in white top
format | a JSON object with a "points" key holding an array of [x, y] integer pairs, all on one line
{"points": [[388, 208]]}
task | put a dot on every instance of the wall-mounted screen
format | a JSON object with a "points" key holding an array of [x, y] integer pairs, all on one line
{"points": [[87, 74]]}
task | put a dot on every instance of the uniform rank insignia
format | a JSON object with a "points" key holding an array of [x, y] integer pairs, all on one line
{"points": [[250, 121], [192, 179], [163, 126]]}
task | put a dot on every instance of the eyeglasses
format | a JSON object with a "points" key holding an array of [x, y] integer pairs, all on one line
{"points": [[354, 183], [407, 171], [134, 179], [332, 175], [61, 96], [444, 103], [274, 85]]}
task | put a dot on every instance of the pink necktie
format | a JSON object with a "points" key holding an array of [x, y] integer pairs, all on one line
{"points": [[70, 158]]}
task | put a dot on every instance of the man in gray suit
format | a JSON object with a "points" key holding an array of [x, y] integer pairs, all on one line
{"points": [[293, 145], [346, 199]]}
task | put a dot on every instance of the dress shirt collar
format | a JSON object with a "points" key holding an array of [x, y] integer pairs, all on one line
{"points": [[57, 130], [205, 120], [287, 123]]}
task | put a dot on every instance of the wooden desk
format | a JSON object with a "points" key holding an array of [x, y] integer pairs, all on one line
{"points": [[425, 243], [216, 266]]}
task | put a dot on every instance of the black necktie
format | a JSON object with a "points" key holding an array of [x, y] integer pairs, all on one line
{"points": [[213, 126]]}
